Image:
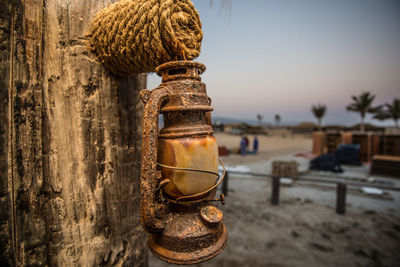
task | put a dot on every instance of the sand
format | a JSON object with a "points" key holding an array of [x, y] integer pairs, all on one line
{"points": [[304, 229]]}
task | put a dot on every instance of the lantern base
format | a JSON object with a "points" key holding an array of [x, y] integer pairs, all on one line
{"points": [[189, 239]]}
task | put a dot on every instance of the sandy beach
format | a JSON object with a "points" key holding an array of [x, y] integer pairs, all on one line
{"points": [[304, 229], [269, 147]]}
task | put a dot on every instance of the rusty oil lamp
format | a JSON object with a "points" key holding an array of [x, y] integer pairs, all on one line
{"points": [[179, 171]]}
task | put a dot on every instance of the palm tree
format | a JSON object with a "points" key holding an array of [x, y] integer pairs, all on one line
{"points": [[319, 112], [363, 105], [389, 111], [277, 119], [259, 118]]}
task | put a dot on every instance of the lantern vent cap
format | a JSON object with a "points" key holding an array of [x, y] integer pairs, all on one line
{"points": [[178, 70]]}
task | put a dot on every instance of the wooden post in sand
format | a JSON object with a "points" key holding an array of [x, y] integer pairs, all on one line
{"points": [[275, 190], [341, 198], [281, 169], [225, 184]]}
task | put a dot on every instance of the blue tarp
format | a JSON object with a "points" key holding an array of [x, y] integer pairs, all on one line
{"points": [[348, 154], [326, 162]]}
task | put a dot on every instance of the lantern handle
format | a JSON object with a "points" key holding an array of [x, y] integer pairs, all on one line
{"points": [[220, 179], [153, 214]]}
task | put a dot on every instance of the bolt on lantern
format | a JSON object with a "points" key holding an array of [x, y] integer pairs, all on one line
{"points": [[179, 171]]}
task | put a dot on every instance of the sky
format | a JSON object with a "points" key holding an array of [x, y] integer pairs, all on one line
{"points": [[281, 56]]}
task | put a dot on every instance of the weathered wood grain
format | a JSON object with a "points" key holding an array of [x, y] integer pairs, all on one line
{"points": [[6, 252], [70, 143]]}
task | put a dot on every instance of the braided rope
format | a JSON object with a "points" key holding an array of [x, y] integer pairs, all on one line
{"points": [[134, 36]]}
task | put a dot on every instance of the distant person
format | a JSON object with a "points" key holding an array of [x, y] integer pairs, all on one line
{"points": [[255, 145], [242, 146], [247, 143]]}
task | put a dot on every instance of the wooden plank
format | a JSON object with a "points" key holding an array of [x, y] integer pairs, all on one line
{"points": [[386, 165], [6, 249], [73, 143]]}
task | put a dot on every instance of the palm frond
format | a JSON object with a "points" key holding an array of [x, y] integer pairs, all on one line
{"points": [[362, 103], [318, 110], [226, 5], [382, 116], [389, 111]]}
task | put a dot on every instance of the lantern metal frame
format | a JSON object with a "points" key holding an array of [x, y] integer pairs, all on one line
{"points": [[187, 229]]}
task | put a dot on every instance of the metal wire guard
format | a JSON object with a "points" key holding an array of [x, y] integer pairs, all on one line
{"points": [[182, 198]]}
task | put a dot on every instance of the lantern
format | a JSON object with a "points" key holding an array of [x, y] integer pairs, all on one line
{"points": [[179, 169]]}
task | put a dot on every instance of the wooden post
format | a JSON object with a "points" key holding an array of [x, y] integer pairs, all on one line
{"points": [[341, 198], [69, 143], [225, 184], [281, 169], [275, 190]]}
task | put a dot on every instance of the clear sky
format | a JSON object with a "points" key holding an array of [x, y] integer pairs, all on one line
{"points": [[282, 56]]}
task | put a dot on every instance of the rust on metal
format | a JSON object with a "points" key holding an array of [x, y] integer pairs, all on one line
{"points": [[188, 239], [175, 203], [211, 215]]}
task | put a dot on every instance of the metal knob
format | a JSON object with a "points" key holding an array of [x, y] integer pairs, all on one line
{"points": [[211, 216]]}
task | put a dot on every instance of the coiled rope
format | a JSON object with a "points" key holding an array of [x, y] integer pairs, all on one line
{"points": [[135, 36]]}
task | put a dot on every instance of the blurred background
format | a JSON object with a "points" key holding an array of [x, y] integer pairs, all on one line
{"points": [[307, 91], [267, 57]]}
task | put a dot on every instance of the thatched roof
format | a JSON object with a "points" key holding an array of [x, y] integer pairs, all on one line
{"points": [[305, 125], [367, 126]]}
